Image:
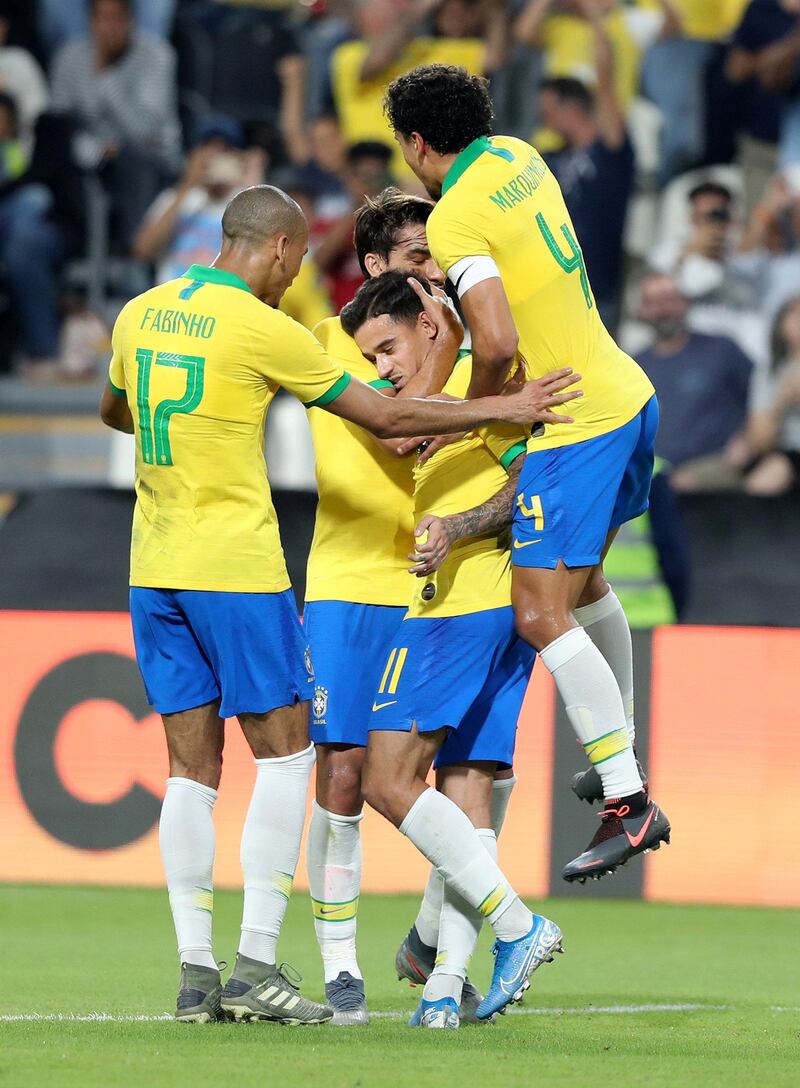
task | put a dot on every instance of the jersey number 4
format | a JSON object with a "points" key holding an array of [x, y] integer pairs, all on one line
{"points": [[571, 261], [154, 424]]}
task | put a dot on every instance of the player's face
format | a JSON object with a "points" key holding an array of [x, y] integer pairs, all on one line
{"points": [[290, 255], [415, 153], [410, 253], [397, 348]]}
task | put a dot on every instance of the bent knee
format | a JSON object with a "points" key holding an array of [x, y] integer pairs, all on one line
{"points": [[539, 626], [206, 772]]}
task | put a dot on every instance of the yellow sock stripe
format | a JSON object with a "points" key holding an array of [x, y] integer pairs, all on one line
{"points": [[204, 899], [492, 900], [282, 883], [610, 744], [334, 912], [441, 958], [385, 677], [401, 660]]}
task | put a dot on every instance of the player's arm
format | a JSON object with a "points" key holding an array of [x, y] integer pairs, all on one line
{"points": [[494, 334], [492, 516], [460, 243], [397, 417], [437, 366], [114, 410]]}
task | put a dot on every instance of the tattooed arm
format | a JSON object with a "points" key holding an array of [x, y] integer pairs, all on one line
{"points": [[435, 536]]}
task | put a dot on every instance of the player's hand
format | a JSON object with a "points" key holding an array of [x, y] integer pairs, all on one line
{"points": [[432, 545], [440, 310], [437, 443], [534, 401]]}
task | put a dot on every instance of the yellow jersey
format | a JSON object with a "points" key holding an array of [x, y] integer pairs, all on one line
{"points": [[359, 103], [364, 529], [200, 358], [476, 575], [710, 20], [500, 200]]}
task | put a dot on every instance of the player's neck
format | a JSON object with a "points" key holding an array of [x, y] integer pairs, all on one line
{"points": [[248, 266]]}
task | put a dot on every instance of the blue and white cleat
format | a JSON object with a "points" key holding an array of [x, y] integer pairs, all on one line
{"points": [[435, 1014], [515, 962]]}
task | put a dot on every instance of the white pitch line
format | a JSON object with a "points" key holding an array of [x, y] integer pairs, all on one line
{"points": [[123, 1018], [576, 1010]]}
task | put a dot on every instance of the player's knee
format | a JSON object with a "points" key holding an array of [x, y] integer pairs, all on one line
{"points": [[382, 792], [339, 787], [539, 625], [595, 589], [207, 770]]}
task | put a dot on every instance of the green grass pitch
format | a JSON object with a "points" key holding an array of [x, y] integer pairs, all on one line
{"points": [[77, 951]]}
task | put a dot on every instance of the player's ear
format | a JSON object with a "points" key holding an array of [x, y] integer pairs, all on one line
{"points": [[427, 325], [281, 245], [374, 264]]}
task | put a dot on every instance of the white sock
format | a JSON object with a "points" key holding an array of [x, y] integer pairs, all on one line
{"points": [[458, 934], [594, 706], [607, 625], [501, 795], [333, 856], [443, 833], [271, 838], [187, 841], [430, 909]]}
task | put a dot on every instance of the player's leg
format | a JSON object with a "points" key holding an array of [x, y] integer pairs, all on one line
{"points": [[544, 601], [470, 787], [563, 516], [416, 955], [258, 989], [602, 616], [254, 644], [183, 689], [333, 853], [634, 823], [187, 843], [344, 637]]}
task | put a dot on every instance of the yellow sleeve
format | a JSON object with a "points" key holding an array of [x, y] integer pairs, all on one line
{"points": [[300, 364], [116, 368], [505, 442], [453, 236]]}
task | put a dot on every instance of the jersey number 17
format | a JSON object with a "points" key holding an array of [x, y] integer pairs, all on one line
{"points": [[154, 424]]}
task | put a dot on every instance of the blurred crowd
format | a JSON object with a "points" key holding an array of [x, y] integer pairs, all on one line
{"points": [[673, 127]]}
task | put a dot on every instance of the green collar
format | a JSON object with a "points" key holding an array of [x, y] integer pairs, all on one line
{"points": [[464, 160], [216, 275]]}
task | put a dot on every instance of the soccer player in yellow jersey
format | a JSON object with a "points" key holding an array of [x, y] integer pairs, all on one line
{"points": [[196, 362], [452, 687], [357, 592], [502, 233]]}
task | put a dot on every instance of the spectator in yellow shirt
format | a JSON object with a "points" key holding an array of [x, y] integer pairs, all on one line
{"points": [[395, 36]]}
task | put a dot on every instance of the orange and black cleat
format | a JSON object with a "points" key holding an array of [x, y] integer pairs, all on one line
{"points": [[628, 826]]}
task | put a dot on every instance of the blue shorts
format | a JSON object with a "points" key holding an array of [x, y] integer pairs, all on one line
{"points": [[196, 646], [571, 497], [347, 645], [468, 673]]}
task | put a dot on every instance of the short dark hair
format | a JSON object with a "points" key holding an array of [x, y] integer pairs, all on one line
{"points": [[568, 89], [446, 105], [380, 219], [369, 149], [710, 188], [388, 293]]}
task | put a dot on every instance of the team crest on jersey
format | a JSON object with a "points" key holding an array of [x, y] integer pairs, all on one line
{"points": [[308, 662], [319, 704]]}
